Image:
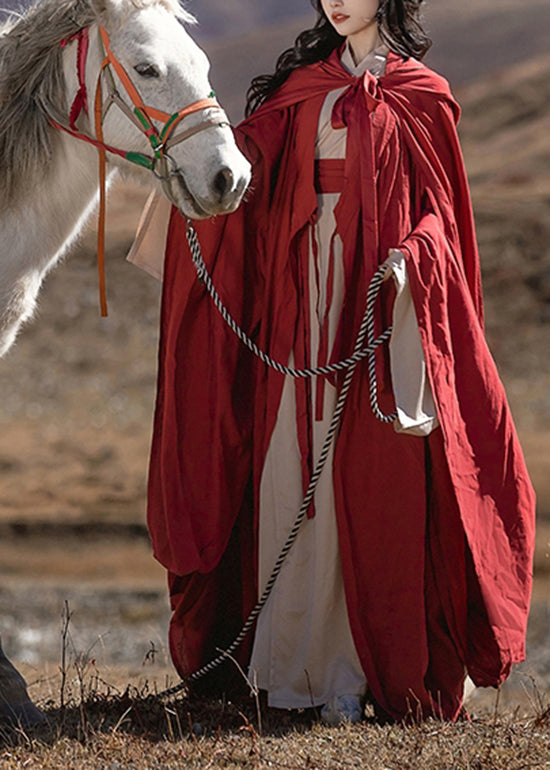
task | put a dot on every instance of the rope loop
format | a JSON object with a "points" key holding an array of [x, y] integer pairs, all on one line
{"points": [[374, 288]]}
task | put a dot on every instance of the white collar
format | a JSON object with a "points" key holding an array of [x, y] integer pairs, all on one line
{"points": [[374, 61]]}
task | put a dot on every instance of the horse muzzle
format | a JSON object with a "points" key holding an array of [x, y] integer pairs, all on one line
{"points": [[221, 192], [227, 189]]}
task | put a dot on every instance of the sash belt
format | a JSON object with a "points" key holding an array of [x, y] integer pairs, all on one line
{"points": [[329, 176]]}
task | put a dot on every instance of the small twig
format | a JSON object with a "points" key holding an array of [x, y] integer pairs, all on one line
{"points": [[440, 706], [253, 686], [122, 718], [419, 711], [111, 688], [257, 700], [493, 729], [311, 698], [254, 737], [542, 711], [65, 622], [178, 720], [169, 721], [150, 655]]}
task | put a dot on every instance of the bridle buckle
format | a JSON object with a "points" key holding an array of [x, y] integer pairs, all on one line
{"points": [[165, 173]]}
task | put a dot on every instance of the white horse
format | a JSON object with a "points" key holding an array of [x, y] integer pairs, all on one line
{"points": [[50, 178], [49, 183]]}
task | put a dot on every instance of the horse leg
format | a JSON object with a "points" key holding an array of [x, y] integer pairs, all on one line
{"points": [[15, 705]]}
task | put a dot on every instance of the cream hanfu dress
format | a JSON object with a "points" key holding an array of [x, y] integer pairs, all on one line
{"points": [[303, 652]]}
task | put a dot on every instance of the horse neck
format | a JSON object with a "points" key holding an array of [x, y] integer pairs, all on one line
{"points": [[58, 205], [40, 229], [56, 208]]}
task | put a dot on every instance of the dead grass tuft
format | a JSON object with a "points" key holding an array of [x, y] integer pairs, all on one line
{"points": [[102, 725]]}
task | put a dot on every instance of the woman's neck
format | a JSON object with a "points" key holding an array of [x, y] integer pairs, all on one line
{"points": [[363, 42]]}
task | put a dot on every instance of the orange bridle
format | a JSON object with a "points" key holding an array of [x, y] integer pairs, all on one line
{"points": [[159, 162], [143, 116]]}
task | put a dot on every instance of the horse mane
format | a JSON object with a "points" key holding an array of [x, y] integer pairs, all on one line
{"points": [[32, 79]]}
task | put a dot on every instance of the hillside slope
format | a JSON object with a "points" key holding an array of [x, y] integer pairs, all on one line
{"points": [[506, 139], [470, 41]]}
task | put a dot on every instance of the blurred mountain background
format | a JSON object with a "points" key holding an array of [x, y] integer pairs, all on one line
{"points": [[244, 37], [77, 391]]}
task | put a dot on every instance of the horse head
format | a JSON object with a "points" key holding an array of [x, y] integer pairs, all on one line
{"points": [[201, 168], [135, 62]]}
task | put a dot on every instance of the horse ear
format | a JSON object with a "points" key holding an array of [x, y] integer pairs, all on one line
{"points": [[100, 7]]}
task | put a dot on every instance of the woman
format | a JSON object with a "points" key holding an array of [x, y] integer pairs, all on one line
{"points": [[414, 566]]}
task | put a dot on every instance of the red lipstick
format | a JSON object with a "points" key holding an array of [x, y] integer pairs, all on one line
{"points": [[338, 18]]}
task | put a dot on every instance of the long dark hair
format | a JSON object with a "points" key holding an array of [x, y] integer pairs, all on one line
{"points": [[400, 27]]}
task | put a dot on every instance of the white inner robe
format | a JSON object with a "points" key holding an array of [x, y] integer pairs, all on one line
{"points": [[303, 651]]}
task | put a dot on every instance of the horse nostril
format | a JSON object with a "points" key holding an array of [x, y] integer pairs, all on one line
{"points": [[223, 182]]}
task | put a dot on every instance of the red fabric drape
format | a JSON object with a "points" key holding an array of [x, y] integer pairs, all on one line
{"points": [[436, 535]]}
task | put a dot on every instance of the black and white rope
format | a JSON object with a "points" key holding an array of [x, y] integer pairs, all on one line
{"points": [[373, 383], [366, 331], [205, 278]]}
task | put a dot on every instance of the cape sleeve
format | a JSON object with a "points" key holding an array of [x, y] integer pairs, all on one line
{"points": [[200, 462], [485, 462], [428, 117], [447, 145]]}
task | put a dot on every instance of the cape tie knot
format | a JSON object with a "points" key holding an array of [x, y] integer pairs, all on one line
{"points": [[360, 94]]}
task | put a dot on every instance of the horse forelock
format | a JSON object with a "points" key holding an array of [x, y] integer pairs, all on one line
{"points": [[32, 79], [173, 6]]}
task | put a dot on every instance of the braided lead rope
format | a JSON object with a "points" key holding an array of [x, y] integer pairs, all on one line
{"points": [[204, 277], [372, 294], [373, 384]]}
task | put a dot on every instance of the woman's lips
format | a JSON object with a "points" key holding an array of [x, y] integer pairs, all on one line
{"points": [[338, 18]]}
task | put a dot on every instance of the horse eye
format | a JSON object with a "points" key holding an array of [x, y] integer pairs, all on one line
{"points": [[147, 70]]}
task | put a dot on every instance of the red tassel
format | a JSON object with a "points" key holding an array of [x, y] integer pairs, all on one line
{"points": [[80, 103], [322, 355]]}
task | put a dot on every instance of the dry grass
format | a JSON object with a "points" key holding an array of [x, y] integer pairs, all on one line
{"points": [[105, 725], [107, 730]]}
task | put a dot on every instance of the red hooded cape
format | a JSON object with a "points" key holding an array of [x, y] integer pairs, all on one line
{"points": [[436, 535]]}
